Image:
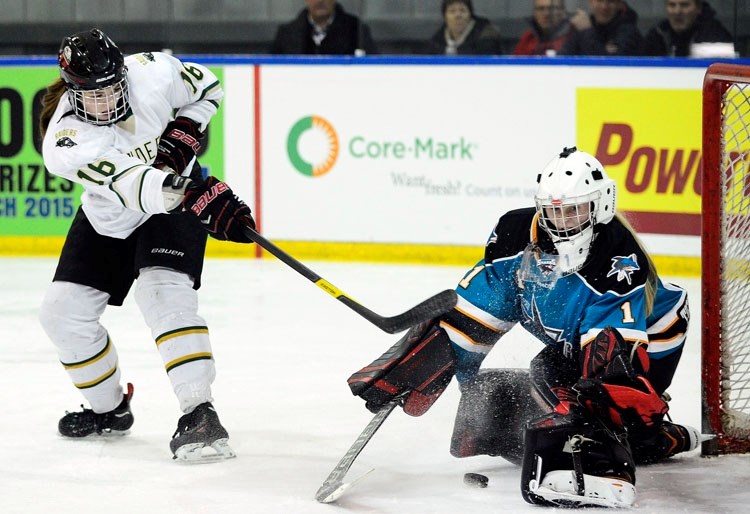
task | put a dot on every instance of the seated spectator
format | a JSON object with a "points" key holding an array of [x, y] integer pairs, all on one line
{"points": [[550, 27], [688, 22], [464, 33], [323, 27], [610, 29]]}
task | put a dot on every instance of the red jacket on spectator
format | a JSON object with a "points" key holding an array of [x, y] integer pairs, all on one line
{"points": [[533, 42]]}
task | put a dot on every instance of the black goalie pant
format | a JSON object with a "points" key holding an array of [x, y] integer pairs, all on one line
{"points": [[497, 404]]}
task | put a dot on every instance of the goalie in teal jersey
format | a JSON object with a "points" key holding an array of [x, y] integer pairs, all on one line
{"points": [[592, 403]]}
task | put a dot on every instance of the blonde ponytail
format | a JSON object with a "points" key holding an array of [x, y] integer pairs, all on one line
{"points": [[653, 277]]}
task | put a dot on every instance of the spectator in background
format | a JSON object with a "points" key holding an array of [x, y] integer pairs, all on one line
{"points": [[323, 27], [550, 27], [688, 22], [464, 33], [610, 29]]}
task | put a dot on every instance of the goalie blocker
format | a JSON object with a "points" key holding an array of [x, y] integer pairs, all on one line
{"points": [[418, 368]]}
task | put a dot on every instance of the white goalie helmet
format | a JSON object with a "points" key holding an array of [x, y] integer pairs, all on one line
{"points": [[573, 196]]}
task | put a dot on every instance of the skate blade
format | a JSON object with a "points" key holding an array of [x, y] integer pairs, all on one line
{"points": [[330, 492], [200, 453], [106, 434]]}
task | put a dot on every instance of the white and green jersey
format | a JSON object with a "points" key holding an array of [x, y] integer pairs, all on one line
{"points": [[113, 162]]}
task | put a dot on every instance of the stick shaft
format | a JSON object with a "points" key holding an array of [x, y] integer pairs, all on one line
{"points": [[334, 480], [428, 309]]}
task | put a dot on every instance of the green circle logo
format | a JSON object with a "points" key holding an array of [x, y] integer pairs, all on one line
{"points": [[328, 158]]}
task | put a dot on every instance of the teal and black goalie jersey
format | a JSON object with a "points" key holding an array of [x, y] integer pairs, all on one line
{"points": [[566, 312]]}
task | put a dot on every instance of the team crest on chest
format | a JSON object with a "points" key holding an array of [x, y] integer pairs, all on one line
{"points": [[623, 267], [66, 142]]}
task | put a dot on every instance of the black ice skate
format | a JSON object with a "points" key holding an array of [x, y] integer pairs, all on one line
{"points": [[670, 440], [87, 422], [198, 430]]}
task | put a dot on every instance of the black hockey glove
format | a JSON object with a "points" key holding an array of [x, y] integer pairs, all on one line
{"points": [[178, 144], [222, 213]]}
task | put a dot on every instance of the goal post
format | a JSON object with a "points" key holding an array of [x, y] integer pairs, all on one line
{"points": [[725, 276]]}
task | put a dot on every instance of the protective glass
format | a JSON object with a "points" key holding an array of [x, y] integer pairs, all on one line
{"points": [[538, 268]]}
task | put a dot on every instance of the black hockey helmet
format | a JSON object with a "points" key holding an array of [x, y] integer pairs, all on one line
{"points": [[90, 60], [94, 71]]}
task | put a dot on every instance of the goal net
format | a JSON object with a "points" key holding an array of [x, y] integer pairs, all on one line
{"points": [[726, 259]]}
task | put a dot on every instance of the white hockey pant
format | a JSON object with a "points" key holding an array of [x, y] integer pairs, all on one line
{"points": [[169, 305], [70, 315]]}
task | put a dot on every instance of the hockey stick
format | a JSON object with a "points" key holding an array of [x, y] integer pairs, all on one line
{"points": [[334, 486], [428, 309]]}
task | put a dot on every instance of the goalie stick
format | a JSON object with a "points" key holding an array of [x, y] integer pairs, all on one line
{"points": [[432, 307], [334, 486]]}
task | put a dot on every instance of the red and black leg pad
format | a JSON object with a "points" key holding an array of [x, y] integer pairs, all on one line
{"points": [[608, 356], [494, 408], [417, 368], [552, 375], [613, 385], [574, 441]]}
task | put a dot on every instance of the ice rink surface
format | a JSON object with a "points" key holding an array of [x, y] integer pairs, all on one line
{"points": [[284, 350]]}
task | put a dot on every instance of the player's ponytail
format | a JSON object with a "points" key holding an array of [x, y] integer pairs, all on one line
{"points": [[49, 103], [651, 280]]}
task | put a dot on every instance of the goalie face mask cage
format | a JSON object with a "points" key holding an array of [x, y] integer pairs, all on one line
{"points": [[726, 259]]}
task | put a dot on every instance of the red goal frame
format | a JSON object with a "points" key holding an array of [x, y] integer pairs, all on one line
{"points": [[718, 79]]}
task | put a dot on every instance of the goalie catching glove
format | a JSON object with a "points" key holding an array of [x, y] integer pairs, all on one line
{"points": [[223, 215], [416, 369], [614, 388]]}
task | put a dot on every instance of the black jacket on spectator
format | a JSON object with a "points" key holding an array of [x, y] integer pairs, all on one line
{"points": [[662, 40], [346, 34], [483, 39], [621, 34]]}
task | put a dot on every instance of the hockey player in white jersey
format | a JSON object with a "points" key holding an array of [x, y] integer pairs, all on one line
{"points": [[592, 404], [128, 129]]}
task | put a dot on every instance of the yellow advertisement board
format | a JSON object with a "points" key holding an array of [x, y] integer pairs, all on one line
{"points": [[649, 141]]}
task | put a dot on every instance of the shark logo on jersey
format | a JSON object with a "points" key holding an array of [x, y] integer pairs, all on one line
{"points": [[66, 142], [624, 267], [540, 330]]}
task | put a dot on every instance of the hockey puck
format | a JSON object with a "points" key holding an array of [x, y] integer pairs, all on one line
{"points": [[476, 480]]}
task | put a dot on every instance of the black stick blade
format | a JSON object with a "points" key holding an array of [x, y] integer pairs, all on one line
{"points": [[431, 308]]}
